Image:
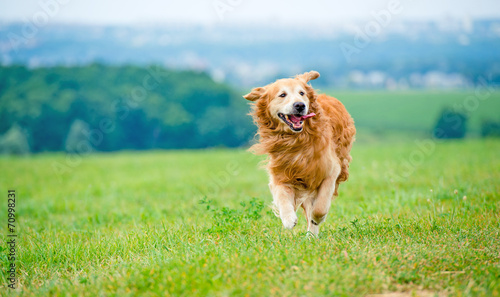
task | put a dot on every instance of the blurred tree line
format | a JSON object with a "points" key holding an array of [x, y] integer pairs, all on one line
{"points": [[452, 124], [110, 108]]}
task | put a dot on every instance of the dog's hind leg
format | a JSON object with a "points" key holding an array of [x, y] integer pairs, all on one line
{"points": [[283, 200], [318, 208]]}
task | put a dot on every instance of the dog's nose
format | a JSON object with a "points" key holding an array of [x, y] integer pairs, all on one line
{"points": [[299, 106]]}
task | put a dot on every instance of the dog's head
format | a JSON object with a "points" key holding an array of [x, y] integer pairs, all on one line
{"points": [[286, 103]]}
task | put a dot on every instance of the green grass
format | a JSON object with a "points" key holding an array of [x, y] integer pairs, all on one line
{"points": [[131, 224], [415, 113]]}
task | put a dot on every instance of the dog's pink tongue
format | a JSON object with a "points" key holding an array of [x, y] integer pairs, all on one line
{"points": [[307, 116], [296, 119]]}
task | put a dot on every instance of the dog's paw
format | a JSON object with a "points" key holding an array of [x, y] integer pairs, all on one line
{"points": [[313, 230], [289, 220]]}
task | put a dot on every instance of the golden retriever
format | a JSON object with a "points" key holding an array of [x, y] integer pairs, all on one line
{"points": [[308, 139]]}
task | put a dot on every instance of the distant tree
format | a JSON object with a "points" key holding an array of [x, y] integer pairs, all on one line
{"points": [[490, 129], [77, 140], [14, 142], [450, 124]]}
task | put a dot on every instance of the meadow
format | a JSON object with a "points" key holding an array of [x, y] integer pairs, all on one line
{"points": [[398, 115], [413, 220]]}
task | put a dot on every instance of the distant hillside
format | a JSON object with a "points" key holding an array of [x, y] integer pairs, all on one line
{"points": [[408, 115], [128, 107], [109, 108], [447, 54]]}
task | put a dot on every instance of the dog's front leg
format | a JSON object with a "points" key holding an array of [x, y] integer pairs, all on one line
{"points": [[283, 199]]}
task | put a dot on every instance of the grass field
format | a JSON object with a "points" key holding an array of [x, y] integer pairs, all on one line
{"points": [[132, 224], [415, 113]]}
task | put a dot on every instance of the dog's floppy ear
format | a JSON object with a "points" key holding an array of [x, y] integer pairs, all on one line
{"points": [[306, 77], [255, 94]]}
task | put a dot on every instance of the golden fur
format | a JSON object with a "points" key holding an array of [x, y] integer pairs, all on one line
{"points": [[300, 162]]}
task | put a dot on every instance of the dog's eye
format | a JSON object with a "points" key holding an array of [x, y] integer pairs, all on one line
{"points": [[301, 93], [283, 95]]}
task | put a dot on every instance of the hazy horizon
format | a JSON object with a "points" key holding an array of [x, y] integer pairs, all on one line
{"points": [[238, 11]]}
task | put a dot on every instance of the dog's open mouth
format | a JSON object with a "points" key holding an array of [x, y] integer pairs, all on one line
{"points": [[295, 121]]}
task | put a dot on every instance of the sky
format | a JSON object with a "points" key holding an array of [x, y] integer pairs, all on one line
{"points": [[292, 12]]}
